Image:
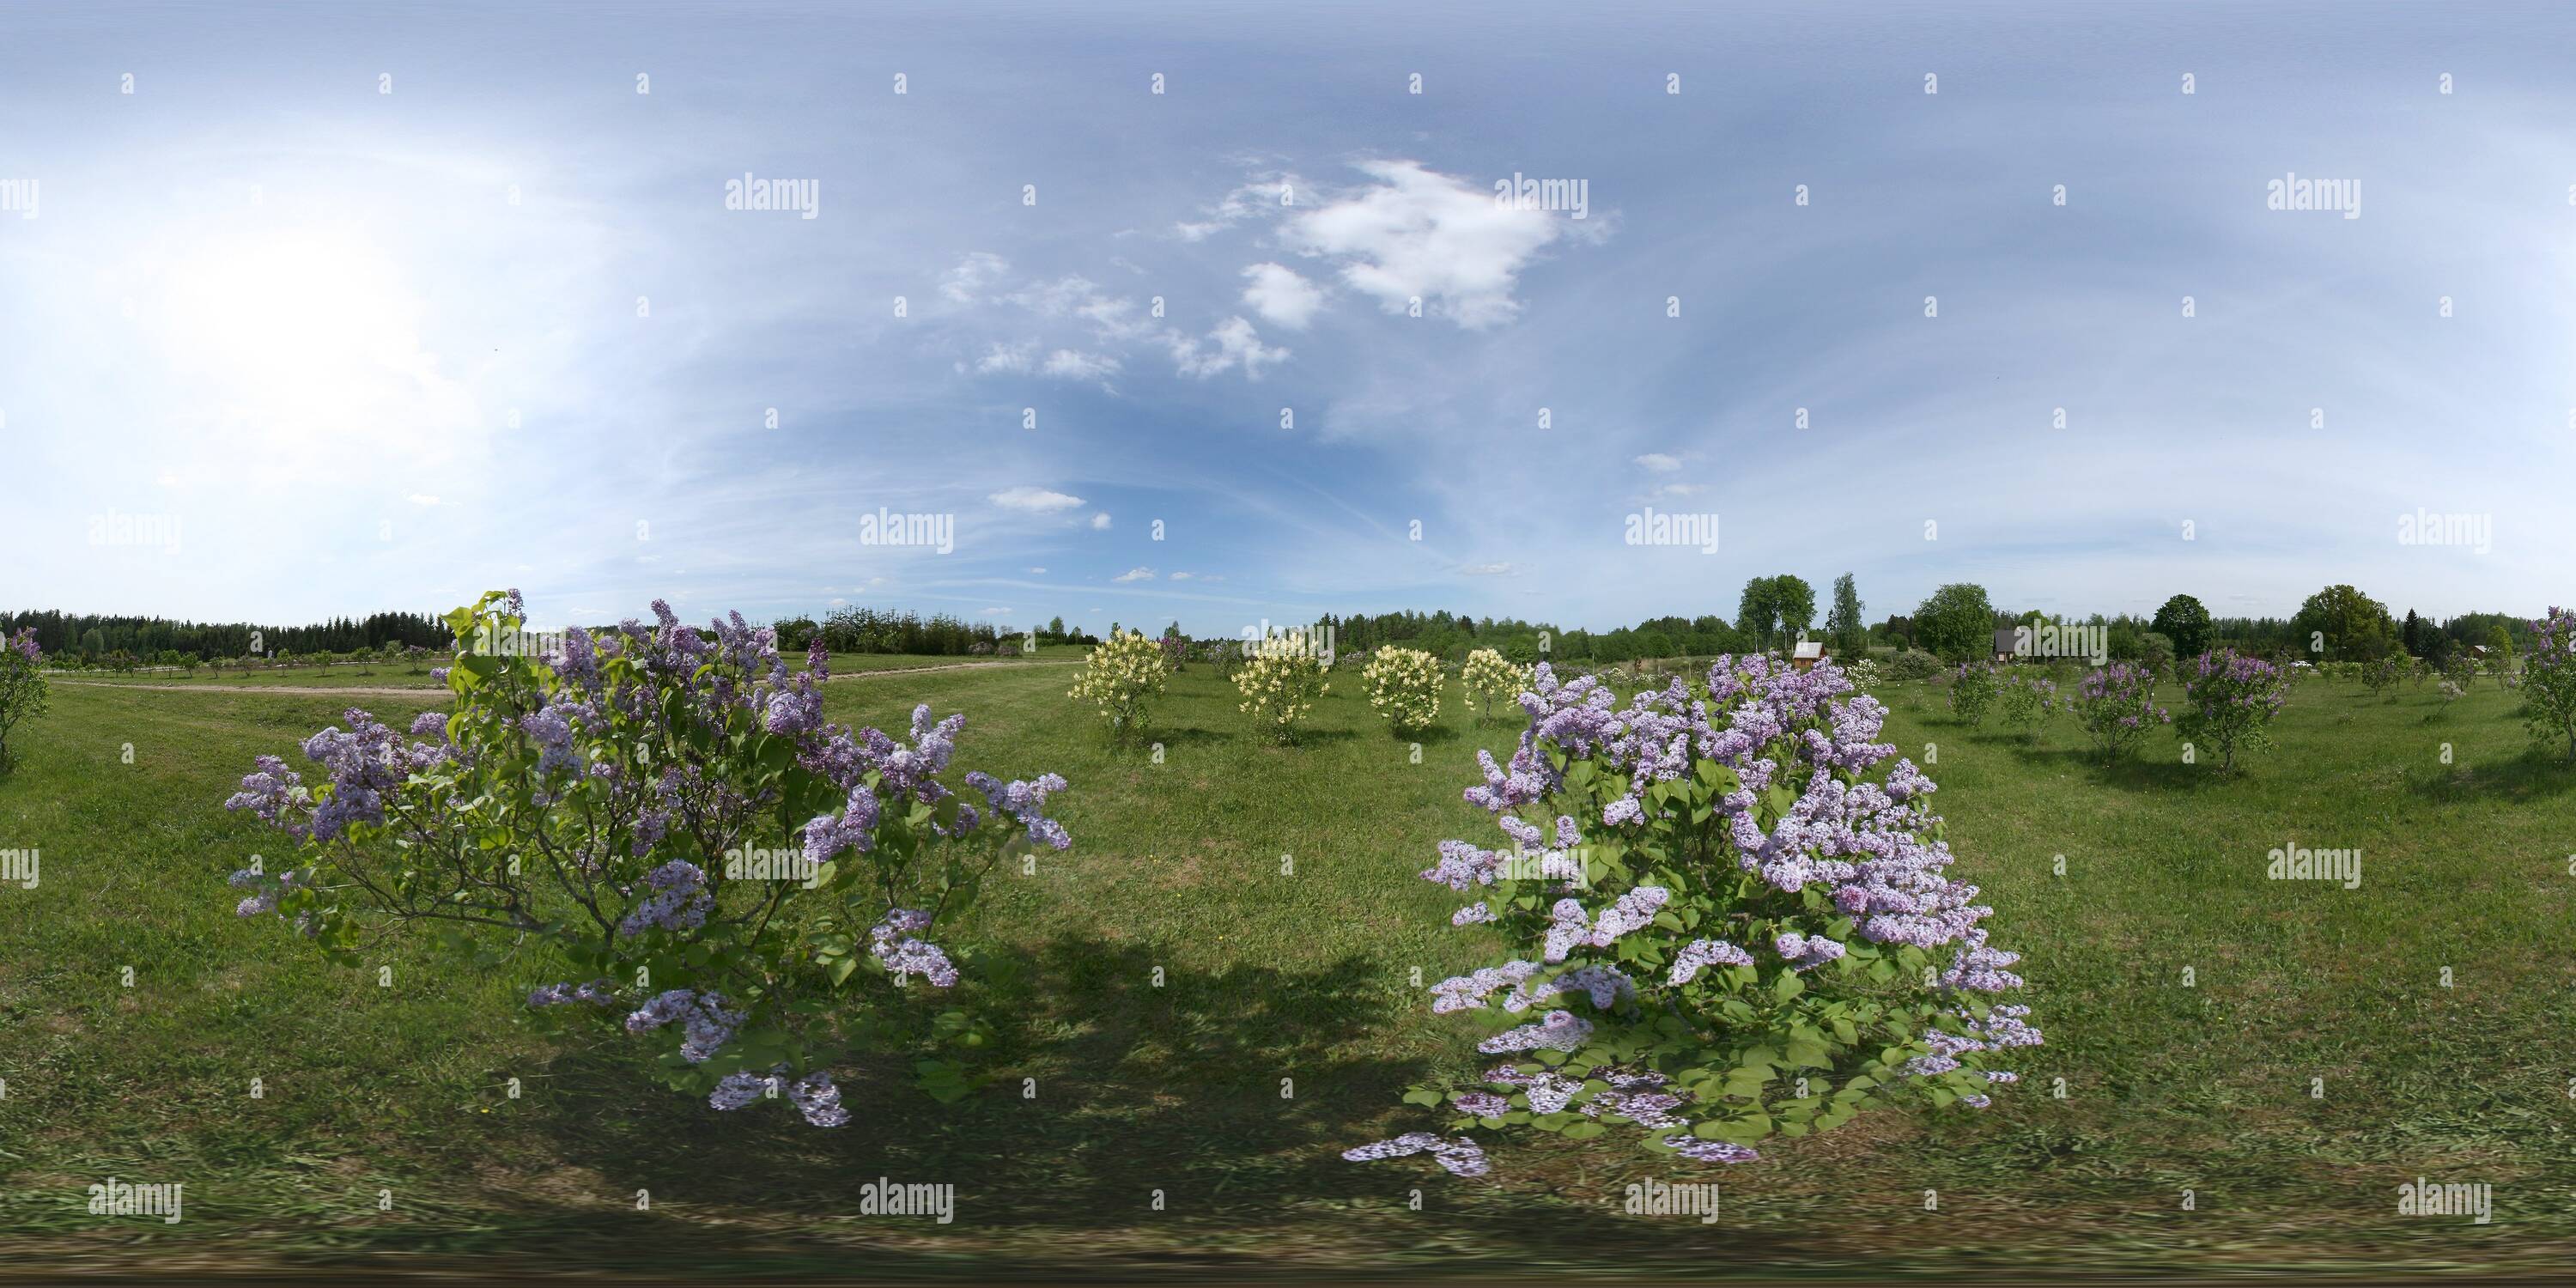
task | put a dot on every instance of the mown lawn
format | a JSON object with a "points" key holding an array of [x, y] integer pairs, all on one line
{"points": [[1307, 976]]}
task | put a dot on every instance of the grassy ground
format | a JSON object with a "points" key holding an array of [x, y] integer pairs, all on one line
{"points": [[1177, 865]]}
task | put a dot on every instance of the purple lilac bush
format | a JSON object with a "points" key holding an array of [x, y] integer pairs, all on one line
{"points": [[2116, 706], [2548, 680], [709, 863], [2229, 700], [1734, 922], [22, 684]]}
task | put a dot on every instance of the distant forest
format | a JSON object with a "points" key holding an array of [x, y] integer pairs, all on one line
{"points": [[1446, 634]]}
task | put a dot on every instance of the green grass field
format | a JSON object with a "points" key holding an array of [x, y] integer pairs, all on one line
{"points": [[2466, 867], [401, 675]]}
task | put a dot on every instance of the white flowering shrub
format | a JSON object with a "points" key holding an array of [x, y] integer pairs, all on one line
{"points": [[1863, 675], [1120, 676], [1279, 680], [1404, 686], [1493, 682]]}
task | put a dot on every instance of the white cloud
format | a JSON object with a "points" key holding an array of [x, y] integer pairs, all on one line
{"points": [[1037, 572], [1278, 294], [1679, 489], [1194, 576], [1486, 570], [1237, 342], [1100, 522], [1035, 500], [1014, 358], [1135, 574], [996, 612], [1073, 365], [1240, 204], [1660, 462], [1419, 233], [966, 282]]}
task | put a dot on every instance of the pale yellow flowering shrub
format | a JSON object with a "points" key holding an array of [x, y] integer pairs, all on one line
{"points": [[1280, 679], [1404, 686], [1119, 676], [1493, 682]]}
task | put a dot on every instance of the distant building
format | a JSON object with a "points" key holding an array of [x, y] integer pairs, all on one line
{"points": [[1807, 654], [2004, 643]]}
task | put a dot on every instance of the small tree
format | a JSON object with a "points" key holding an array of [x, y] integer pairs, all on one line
{"points": [[2024, 701], [1493, 682], [1957, 622], [2383, 675], [2115, 706], [1972, 692], [1280, 679], [2549, 680], [22, 685], [2229, 702], [1120, 677], [2185, 621], [1404, 686]]}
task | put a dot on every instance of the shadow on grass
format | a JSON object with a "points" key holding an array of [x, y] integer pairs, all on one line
{"points": [[2535, 775], [1138, 1089], [2129, 772]]}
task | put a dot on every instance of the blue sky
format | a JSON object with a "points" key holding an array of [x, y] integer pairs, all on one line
{"points": [[277, 344]]}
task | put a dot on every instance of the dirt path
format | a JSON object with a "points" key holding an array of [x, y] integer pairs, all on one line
{"points": [[389, 691]]}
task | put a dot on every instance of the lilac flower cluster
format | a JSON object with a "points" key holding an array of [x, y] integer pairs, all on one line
{"points": [[892, 942], [707, 1023], [1462, 1156], [1700, 954], [1558, 1031], [679, 901], [1805, 952], [598, 992]]}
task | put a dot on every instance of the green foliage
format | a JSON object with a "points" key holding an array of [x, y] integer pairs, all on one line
{"points": [[1972, 692], [2345, 625], [1957, 623], [1913, 664], [2185, 622]]}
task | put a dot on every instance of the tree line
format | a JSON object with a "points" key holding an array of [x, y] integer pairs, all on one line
{"points": [[94, 635]]}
